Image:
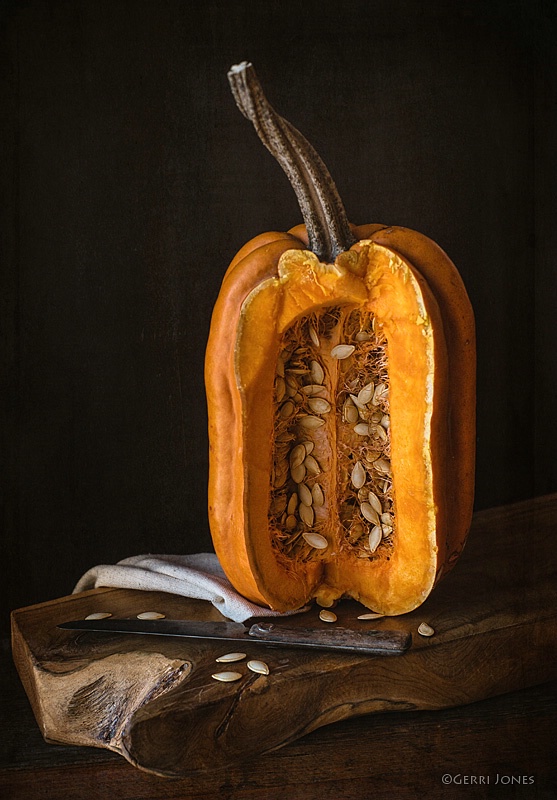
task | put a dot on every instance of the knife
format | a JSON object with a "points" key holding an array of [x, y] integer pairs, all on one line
{"points": [[372, 642]]}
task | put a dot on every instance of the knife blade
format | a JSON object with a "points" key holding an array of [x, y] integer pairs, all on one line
{"points": [[366, 642]]}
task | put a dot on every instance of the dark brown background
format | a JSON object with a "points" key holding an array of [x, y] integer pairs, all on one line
{"points": [[130, 180]]}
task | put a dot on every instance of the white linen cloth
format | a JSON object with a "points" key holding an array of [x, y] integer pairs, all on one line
{"points": [[199, 575]]}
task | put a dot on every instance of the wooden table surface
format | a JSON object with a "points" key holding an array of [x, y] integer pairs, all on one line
{"points": [[501, 747]]}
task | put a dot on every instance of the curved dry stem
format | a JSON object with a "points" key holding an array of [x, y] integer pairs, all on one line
{"points": [[322, 209]]}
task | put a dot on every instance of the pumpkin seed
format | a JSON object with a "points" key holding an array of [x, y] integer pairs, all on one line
{"points": [[311, 422], [362, 429], [291, 522], [369, 513], [280, 367], [313, 389], [350, 412], [425, 630], [377, 416], [386, 421], [378, 432], [151, 615], [305, 495], [312, 466], [280, 389], [386, 519], [313, 336], [306, 515], [292, 503], [298, 473], [286, 410], [355, 400], [319, 406], [371, 616], [358, 476], [387, 530], [315, 539], [229, 657], [309, 447], [381, 393], [258, 666], [317, 494], [227, 677], [99, 615], [363, 494], [375, 537], [365, 394], [375, 502], [316, 370], [297, 455], [342, 351], [327, 616], [362, 336], [382, 465]]}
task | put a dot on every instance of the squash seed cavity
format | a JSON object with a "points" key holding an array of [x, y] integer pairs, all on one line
{"points": [[332, 385]]}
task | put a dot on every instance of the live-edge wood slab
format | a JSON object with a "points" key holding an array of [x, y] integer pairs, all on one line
{"points": [[153, 700]]}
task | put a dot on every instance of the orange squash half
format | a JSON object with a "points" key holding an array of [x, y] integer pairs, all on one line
{"points": [[340, 378]]}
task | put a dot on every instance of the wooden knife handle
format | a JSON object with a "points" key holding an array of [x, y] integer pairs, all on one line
{"points": [[376, 642]]}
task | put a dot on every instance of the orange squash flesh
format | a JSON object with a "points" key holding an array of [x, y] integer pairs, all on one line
{"points": [[403, 290]]}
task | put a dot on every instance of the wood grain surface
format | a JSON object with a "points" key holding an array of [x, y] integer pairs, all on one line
{"points": [[153, 699]]}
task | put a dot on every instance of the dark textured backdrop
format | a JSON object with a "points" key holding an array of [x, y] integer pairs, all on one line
{"points": [[130, 179]]}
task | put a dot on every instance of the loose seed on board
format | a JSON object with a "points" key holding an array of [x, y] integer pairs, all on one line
{"points": [[371, 616], [316, 370], [150, 615], [313, 336], [227, 677], [319, 405], [229, 657], [317, 494], [358, 476], [327, 616], [310, 422], [425, 630], [311, 465], [258, 666], [305, 495], [315, 540], [362, 429], [306, 515], [342, 351], [99, 615], [375, 537]]}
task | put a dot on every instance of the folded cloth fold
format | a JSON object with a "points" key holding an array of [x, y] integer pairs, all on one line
{"points": [[199, 575]]}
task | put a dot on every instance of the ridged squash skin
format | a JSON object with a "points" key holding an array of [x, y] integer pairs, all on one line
{"points": [[416, 295]]}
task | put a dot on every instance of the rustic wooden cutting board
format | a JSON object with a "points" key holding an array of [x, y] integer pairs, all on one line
{"points": [[152, 699]]}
